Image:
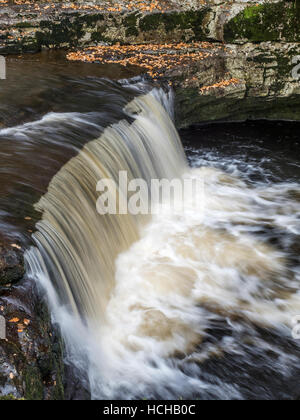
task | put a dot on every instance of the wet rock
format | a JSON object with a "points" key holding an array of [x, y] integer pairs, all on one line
{"points": [[65, 25], [266, 22], [31, 356], [39, 25], [216, 81], [10, 398], [250, 76], [239, 82], [11, 264]]}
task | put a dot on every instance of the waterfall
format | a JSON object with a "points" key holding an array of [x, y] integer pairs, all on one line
{"points": [[135, 295], [79, 245]]}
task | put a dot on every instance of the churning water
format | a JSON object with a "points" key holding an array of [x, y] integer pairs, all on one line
{"points": [[192, 305], [137, 298]]}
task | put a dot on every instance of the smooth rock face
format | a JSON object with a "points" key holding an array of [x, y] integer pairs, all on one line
{"points": [[266, 22]]}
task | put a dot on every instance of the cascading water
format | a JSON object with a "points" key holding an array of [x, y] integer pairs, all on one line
{"points": [[80, 246], [137, 297]]}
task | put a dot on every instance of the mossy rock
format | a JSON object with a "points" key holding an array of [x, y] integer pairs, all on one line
{"points": [[34, 389], [131, 24], [56, 34], [190, 20], [10, 397], [266, 22], [11, 265]]}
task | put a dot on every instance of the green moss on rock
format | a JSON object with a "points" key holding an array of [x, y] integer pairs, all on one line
{"points": [[90, 19], [11, 265], [98, 36], [266, 22], [190, 20], [34, 389], [81, 29], [65, 32], [10, 398], [131, 25], [24, 25]]}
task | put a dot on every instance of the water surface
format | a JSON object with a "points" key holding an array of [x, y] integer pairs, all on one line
{"points": [[200, 305]]}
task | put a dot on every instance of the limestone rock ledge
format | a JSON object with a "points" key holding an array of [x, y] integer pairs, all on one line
{"points": [[251, 76], [240, 82], [261, 56], [35, 25]]}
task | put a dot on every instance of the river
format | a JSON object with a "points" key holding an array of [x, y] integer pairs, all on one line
{"points": [[195, 305]]}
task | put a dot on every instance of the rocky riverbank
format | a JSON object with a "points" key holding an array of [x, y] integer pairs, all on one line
{"points": [[216, 81], [31, 352], [245, 70]]}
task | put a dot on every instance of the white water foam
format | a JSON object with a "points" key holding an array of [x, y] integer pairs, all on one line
{"points": [[182, 273]]}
